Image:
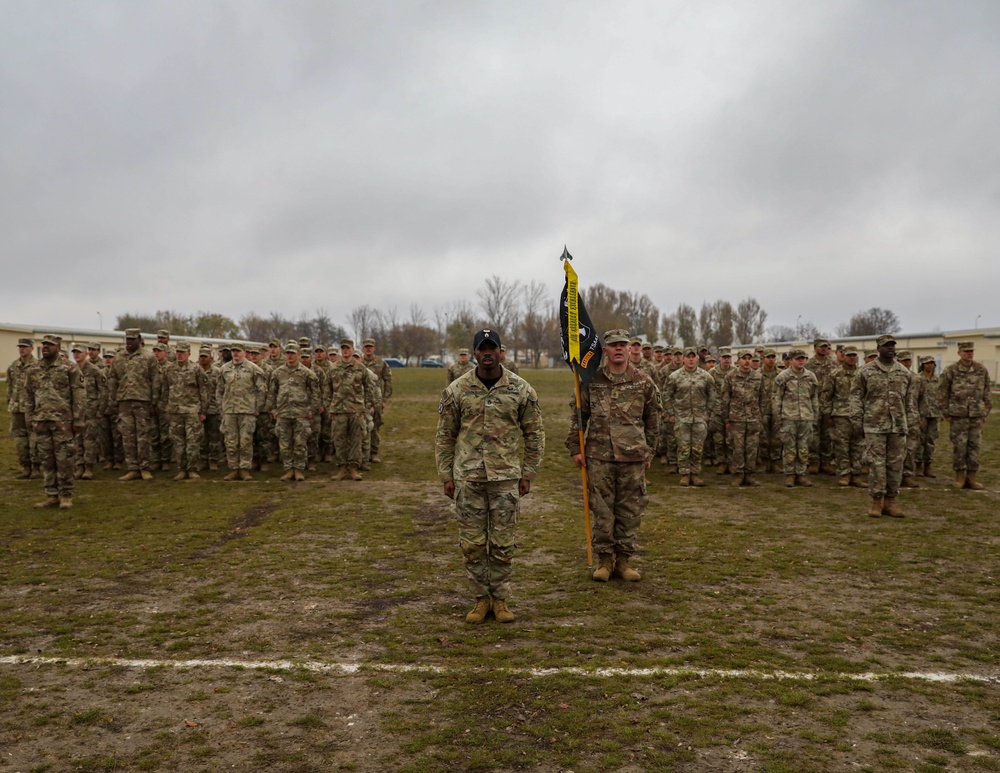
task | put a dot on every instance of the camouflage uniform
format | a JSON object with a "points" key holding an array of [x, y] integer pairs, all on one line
{"points": [[20, 427], [88, 442], [796, 406], [821, 442], [188, 395], [373, 401], [667, 444], [964, 397], [54, 398], [347, 407], [621, 418], [161, 452], [383, 372], [720, 449], [929, 410], [744, 402], [770, 429], [211, 444], [690, 398], [478, 446], [241, 392], [322, 419], [294, 397], [882, 406], [835, 406], [133, 384], [457, 369]]}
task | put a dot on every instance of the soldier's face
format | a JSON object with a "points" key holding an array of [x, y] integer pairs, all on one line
{"points": [[346, 352], [887, 351], [183, 356], [321, 356], [487, 354], [463, 358], [239, 356], [770, 361], [727, 360], [369, 349], [822, 351], [132, 344], [274, 349], [292, 358], [798, 363], [160, 355], [618, 352], [108, 360], [80, 357], [49, 351], [851, 359], [690, 361], [929, 367], [23, 351], [966, 356], [744, 363]]}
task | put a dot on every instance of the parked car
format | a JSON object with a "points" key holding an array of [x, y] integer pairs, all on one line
{"points": [[431, 364], [394, 362]]}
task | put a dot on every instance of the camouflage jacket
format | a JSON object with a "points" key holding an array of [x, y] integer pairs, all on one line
{"points": [[821, 368], [481, 432], [242, 388], [769, 376], [743, 397], [964, 390], [162, 395], [621, 416], [382, 372], [690, 396], [513, 367], [270, 364], [324, 377], [16, 374], [54, 392], [796, 396], [134, 376], [373, 392], [835, 392], [928, 403], [348, 386], [95, 385], [187, 388], [457, 369], [881, 399], [212, 379], [293, 392]]}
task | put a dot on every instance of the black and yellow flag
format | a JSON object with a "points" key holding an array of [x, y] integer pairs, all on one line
{"points": [[580, 342]]}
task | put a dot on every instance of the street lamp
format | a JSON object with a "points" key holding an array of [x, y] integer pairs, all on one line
{"points": [[100, 319], [798, 326], [977, 321]]}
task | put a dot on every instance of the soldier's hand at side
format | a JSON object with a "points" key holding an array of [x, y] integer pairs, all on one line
{"points": [[523, 487], [648, 462], [201, 417], [449, 489], [309, 414], [580, 461]]}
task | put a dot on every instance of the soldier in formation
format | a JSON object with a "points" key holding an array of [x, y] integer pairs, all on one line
{"points": [[17, 406], [796, 407], [133, 385], [965, 400], [689, 402], [744, 403], [241, 391], [461, 366]]}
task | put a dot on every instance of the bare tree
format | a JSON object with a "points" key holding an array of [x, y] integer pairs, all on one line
{"points": [[874, 321], [499, 303], [748, 322], [781, 333], [687, 321], [462, 325], [668, 328]]}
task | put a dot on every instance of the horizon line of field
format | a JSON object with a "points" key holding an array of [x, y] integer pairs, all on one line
{"points": [[349, 669]]}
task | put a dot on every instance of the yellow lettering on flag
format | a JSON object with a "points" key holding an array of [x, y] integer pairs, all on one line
{"points": [[572, 313]]}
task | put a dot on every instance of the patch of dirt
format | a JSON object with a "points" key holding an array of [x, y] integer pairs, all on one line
{"points": [[240, 527]]}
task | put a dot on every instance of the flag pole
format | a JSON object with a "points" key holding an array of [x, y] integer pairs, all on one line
{"points": [[583, 468]]}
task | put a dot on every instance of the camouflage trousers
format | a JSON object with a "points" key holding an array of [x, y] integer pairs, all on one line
{"points": [[966, 440], [848, 446], [690, 437], [211, 444], [348, 435], [105, 437], [667, 443], [134, 423], [796, 437], [326, 435], [315, 431], [720, 443], [617, 502], [366, 443], [821, 444], [744, 446], [885, 454], [237, 430], [159, 437], [912, 441], [87, 444], [487, 517], [376, 431], [54, 442], [264, 437], [293, 441], [770, 441], [186, 436], [928, 441], [24, 440]]}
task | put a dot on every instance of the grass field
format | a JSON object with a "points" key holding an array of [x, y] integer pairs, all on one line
{"points": [[774, 629]]}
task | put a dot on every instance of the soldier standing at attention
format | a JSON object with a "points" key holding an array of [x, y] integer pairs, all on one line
{"points": [[821, 364], [964, 395], [133, 385], [241, 392], [511, 365], [483, 418], [689, 401], [348, 385], [796, 406], [744, 402], [293, 398], [716, 427], [461, 367], [913, 430], [620, 408], [20, 427], [187, 391], [383, 373], [54, 403], [159, 424], [95, 385], [770, 433], [929, 409], [881, 405], [211, 446], [835, 408]]}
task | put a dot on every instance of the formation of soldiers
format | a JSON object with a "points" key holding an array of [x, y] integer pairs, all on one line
{"points": [[142, 410]]}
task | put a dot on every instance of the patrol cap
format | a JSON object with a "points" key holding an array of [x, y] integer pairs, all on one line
{"points": [[163, 334], [871, 352], [252, 349], [821, 342], [304, 342], [680, 350], [634, 340], [702, 348], [769, 352], [158, 347], [755, 357], [94, 345], [904, 356], [274, 342], [647, 345], [346, 342], [109, 354], [50, 340], [319, 348], [306, 352], [78, 348], [966, 346], [794, 354], [235, 347], [927, 358], [25, 342], [226, 348], [205, 351], [291, 346], [483, 336], [463, 351], [849, 350], [688, 351], [711, 358], [133, 332], [183, 346], [885, 339], [616, 336], [368, 342], [503, 348], [725, 351], [743, 353], [840, 348], [658, 348]]}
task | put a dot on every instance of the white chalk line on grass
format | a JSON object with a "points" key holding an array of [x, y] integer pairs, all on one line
{"points": [[356, 668]]}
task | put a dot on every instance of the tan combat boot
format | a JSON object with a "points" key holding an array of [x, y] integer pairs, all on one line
{"points": [[789, 481], [78, 472], [890, 508], [213, 466], [844, 480], [909, 482], [928, 473], [234, 475], [366, 466], [479, 612], [685, 480], [25, 473], [182, 475], [626, 572], [606, 565], [65, 503], [355, 475], [802, 480], [721, 469], [959, 479], [109, 465], [49, 501], [875, 511], [289, 475], [813, 469], [299, 475], [192, 475], [696, 481], [340, 474], [972, 483], [751, 480], [502, 612], [245, 475], [376, 459], [857, 482], [145, 474], [827, 469], [737, 479], [131, 475], [88, 472]]}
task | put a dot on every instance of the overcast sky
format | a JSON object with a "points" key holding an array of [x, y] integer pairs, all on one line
{"points": [[824, 157]]}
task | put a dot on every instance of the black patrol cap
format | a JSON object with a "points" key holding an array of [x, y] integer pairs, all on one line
{"points": [[485, 335]]}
